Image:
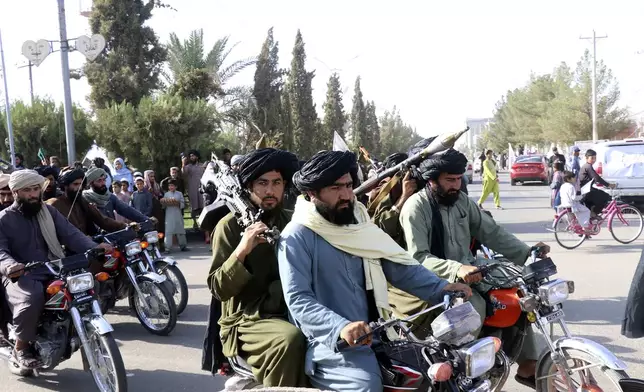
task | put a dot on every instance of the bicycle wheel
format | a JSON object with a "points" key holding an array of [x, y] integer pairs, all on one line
{"points": [[564, 228], [630, 217]]}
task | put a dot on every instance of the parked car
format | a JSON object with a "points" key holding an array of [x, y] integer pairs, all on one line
{"points": [[622, 161], [529, 168]]}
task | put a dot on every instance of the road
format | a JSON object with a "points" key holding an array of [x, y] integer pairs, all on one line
{"points": [[601, 268]]}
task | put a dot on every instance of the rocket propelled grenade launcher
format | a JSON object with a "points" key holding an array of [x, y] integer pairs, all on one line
{"points": [[438, 145]]}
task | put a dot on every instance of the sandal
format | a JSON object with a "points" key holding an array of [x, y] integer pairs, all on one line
{"points": [[530, 382], [26, 359]]}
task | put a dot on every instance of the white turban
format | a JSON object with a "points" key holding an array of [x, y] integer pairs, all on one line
{"points": [[4, 180], [25, 178]]}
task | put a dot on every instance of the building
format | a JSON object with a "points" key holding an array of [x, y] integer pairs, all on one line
{"points": [[477, 127]]}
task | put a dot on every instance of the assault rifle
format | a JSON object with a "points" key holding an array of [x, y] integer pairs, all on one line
{"points": [[439, 144], [235, 196]]}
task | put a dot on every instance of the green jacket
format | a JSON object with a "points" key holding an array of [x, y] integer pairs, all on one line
{"points": [[249, 291], [389, 221]]}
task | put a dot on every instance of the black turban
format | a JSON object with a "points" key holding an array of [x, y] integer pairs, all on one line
{"points": [[70, 175], [194, 152], [450, 161], [394, 159], [420, 146], [265, 160], [46, 171], [324, 168]]}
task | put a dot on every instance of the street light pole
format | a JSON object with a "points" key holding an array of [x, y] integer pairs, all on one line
{"points": [[67, 103], [7, 107], [594, 82]]}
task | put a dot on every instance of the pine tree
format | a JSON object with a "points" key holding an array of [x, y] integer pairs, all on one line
{"points": [[303, 114], [287, 123], [129, 67], [359, 118], [267, 89], [334, 117], [373, 129]]}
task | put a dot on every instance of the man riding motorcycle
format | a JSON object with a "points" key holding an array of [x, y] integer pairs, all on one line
{"points": [[245, 278], [334, 266], [443, 245], [31, 231], [6, 196], [107, 202]]}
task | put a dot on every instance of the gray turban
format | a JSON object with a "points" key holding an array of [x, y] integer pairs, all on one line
{"points": [[25, 178], [94, 174]]}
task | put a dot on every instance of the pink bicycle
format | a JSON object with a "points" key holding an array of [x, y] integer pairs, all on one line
{"points": [[616, 213]]}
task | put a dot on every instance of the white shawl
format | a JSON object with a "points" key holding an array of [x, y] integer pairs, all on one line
{"points": [[364, 239]]}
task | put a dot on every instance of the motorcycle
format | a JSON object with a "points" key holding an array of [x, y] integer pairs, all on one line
{"points": [[126, 275], [72, 319], [519, 298], [163, 265], [450, 359], [631, 385]]}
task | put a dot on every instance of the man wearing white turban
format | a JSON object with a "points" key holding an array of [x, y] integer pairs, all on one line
{"points": [[31, 231], [6, 196]]}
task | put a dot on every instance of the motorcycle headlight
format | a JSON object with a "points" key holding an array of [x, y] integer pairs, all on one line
{"points": [[152, 237], [80, 283], [479, 357], [555, 292], [133, 248]]}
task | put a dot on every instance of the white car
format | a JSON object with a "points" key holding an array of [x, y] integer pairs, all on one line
{"points": [[622, 161], [469, 172]]}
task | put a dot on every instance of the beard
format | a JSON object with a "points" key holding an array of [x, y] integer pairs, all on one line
{"points": [[100, 190], [443, 196], [337, 214], [30, 207], [71, 194]]}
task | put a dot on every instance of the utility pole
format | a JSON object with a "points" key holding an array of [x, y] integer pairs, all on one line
{"points": [[7, 106], [31, 80], [594, 82], [67, 103]]}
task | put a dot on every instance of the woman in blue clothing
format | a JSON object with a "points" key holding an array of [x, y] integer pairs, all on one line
{"points": [[122, 172]]}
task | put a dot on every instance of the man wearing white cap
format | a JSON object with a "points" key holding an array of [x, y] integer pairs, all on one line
{"points": [[31, 231]]}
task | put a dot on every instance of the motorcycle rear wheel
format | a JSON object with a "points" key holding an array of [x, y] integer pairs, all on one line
{"points": [[548, 370], [568, 216], [162, 295], [107, 343]]}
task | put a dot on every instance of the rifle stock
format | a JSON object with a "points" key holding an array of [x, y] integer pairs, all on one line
{"points": [[441, 143]]}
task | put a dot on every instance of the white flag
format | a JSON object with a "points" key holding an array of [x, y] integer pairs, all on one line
{"points": [[340, 145], [511, 155]]}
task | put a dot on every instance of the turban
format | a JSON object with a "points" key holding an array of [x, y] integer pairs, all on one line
{"points": [[94, 174], [394, 159], [324, 168], [46, 171], [4, 180], [25, 178], [450, 161], [68, 176], [236, 159], [193, 152], [264, 160]]}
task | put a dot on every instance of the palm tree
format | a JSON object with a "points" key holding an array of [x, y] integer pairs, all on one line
{"points": [[188, 60]]}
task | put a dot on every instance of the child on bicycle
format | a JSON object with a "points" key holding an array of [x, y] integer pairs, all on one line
{"points": [[569, 199]]}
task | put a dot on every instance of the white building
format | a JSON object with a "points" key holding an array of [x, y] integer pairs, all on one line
{"points": [[477, 127]]}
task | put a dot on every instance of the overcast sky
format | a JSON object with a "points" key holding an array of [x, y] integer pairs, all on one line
{"points": [[438, 62]]}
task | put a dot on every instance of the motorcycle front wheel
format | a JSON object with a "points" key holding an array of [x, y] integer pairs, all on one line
{"points": [[581, 363], [177, 284], [109, 375], [160, 306]]}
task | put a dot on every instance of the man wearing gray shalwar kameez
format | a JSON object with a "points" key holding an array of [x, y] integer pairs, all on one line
{"points": [[329, 276], [31, 231]]}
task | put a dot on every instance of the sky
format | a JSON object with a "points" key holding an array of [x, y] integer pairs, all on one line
{"points": [[438, 62]]}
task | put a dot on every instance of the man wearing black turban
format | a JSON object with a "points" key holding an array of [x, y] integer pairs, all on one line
{"points": [[244, 276], [439, 223], [51, 190], [71, 203], [335, 266]]}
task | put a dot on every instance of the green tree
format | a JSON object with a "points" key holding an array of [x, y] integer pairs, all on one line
{"points": [[42, 124], [359, 118], [303, 113], [129, 67], [395, 135], [287, 121], [334, 116], [197, 74], [373, 129], [152, 134], [267, 89]]}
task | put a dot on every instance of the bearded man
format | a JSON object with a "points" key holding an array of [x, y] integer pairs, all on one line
{"points": [[244, 276], [334, 265], [6, 196], [85, 216], [439, 223], [107, 202], [51, 190], [47, 230]]}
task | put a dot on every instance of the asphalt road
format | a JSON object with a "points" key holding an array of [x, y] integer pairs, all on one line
{"points": [[601, 268]]}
